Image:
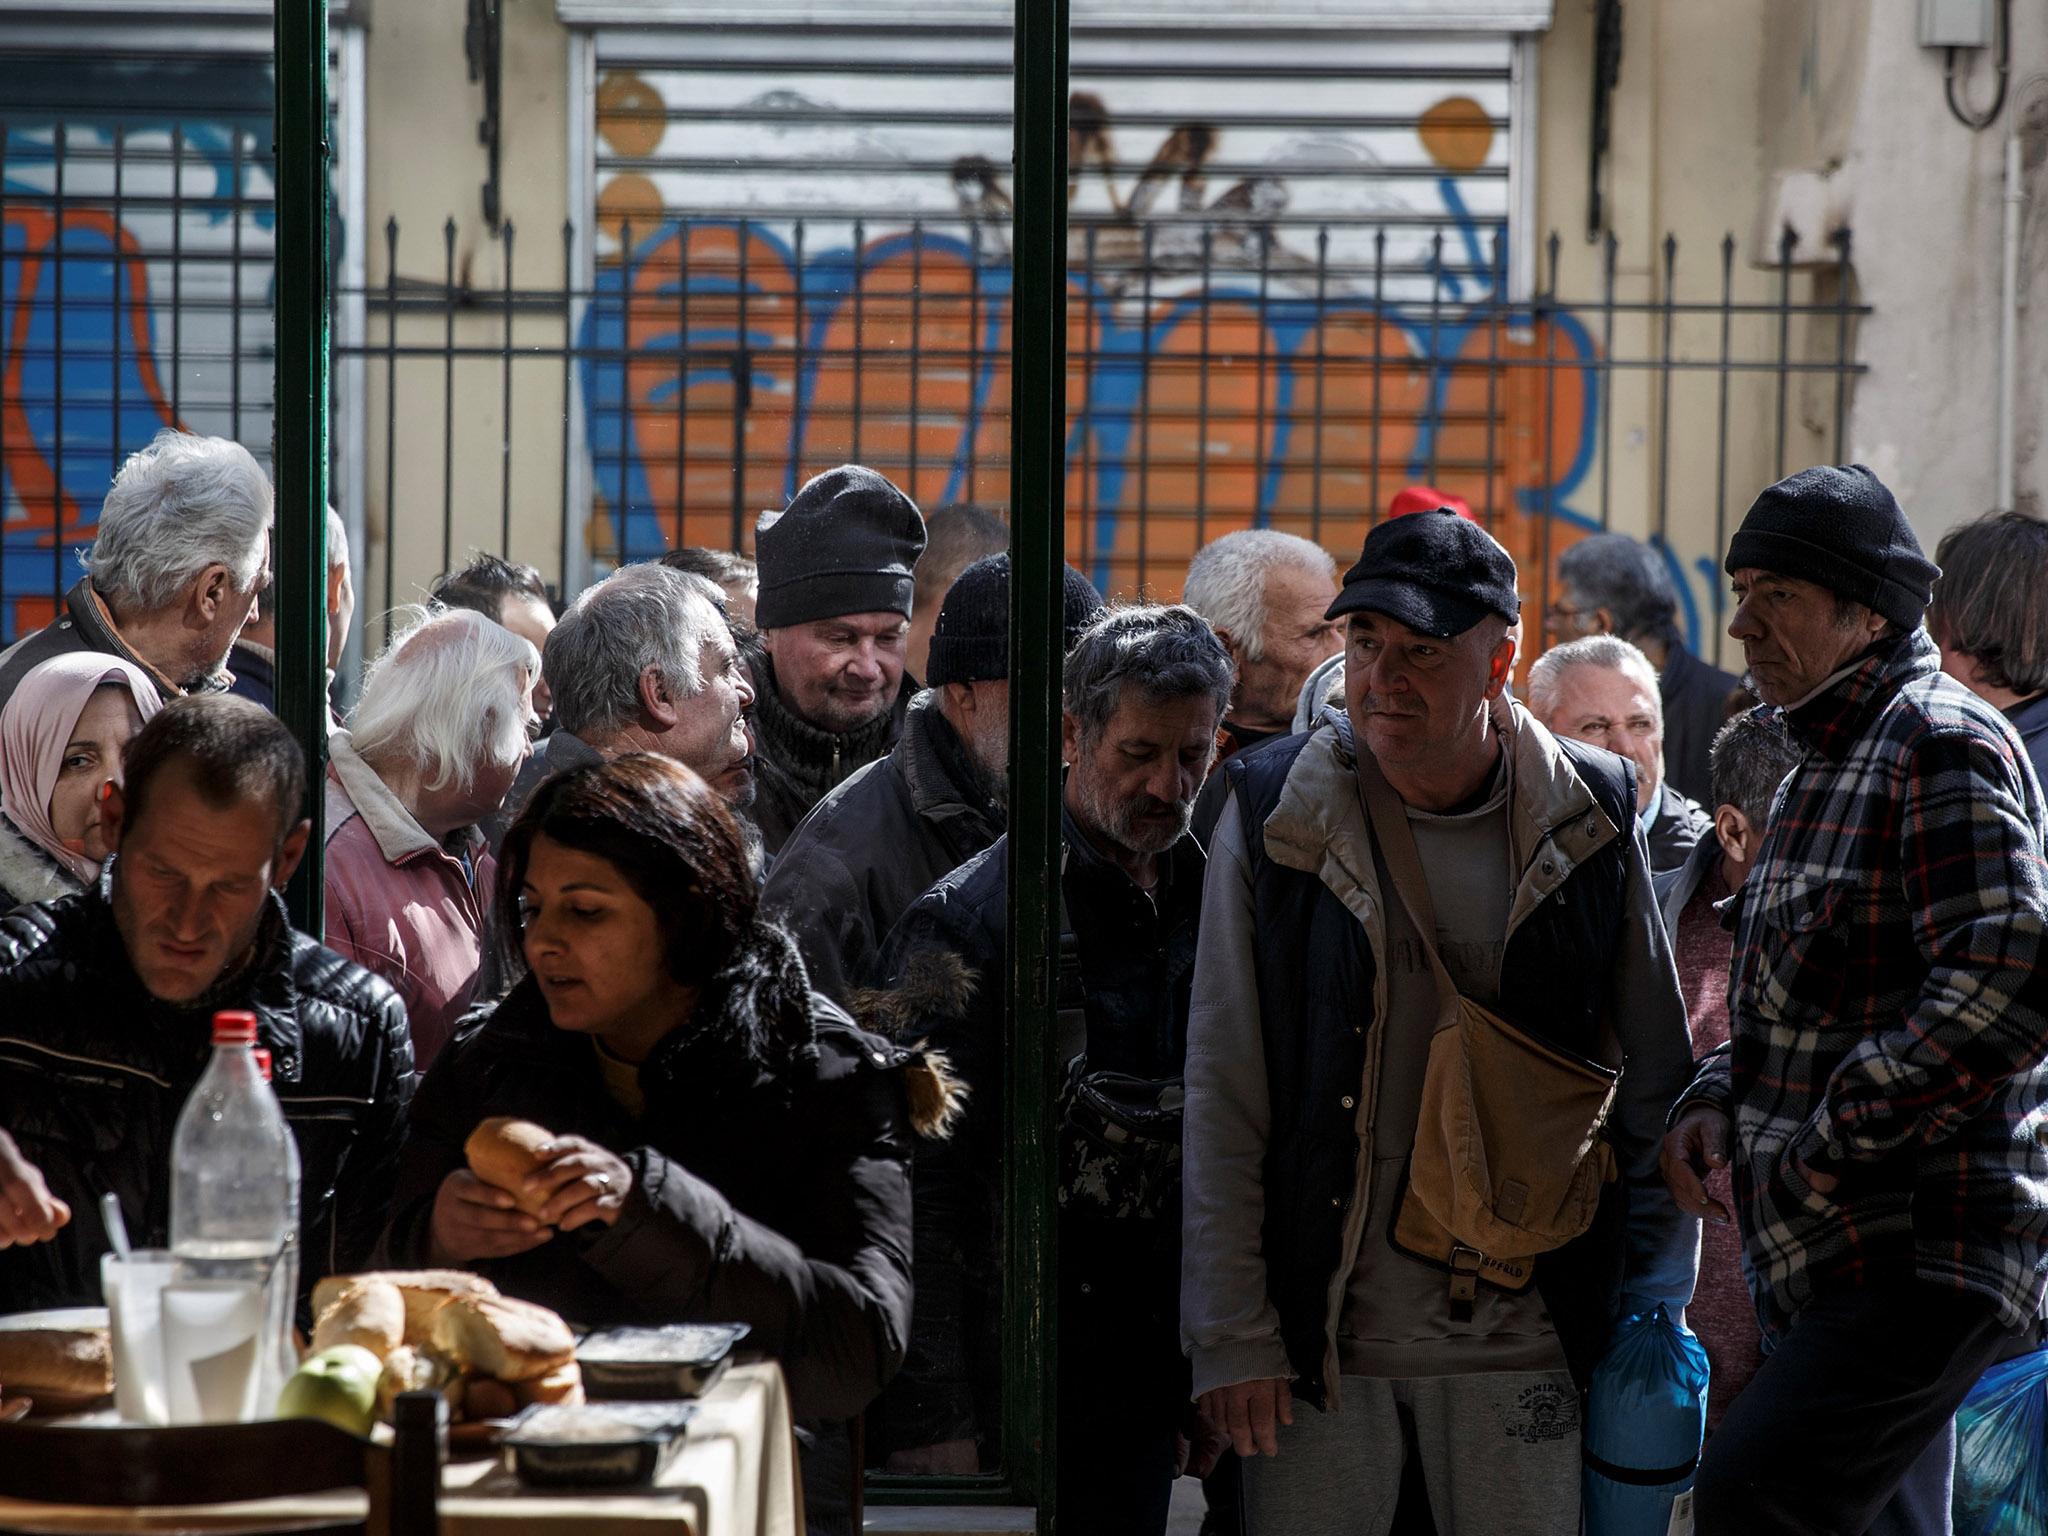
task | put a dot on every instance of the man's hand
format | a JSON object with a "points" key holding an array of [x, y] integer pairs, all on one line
{"points": [[1820, 1183], [955, 1458], [580, 1183], [475, 1220], [1696, 1145], [1251, 1411], [29, 1213], [1201, 1444]]}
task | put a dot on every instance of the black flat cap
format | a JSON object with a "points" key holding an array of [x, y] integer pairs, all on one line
{"points": [[1435, 572]]}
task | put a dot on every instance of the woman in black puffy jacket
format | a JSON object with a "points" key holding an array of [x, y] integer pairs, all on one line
{"points": [[728, 1145]]}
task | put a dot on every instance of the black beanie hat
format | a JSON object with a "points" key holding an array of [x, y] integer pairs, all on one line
{"points": [[846, 543], [1838, 526], [971, 642]]}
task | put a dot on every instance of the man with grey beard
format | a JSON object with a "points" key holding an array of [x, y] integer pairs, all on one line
{"points": [[880, 840], [1145, 688]]}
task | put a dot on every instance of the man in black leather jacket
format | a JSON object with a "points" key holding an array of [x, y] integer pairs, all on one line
{"points": [[106, 1001]]}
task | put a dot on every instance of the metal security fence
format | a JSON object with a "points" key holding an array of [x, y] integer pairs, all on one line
{"points": [[1226, 381], [1264, 355], [136, 214]]}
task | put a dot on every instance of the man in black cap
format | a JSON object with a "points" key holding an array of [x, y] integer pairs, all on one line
{"points": [[1881, 1098], [880, 840], [833, 614], [1431, 849]]}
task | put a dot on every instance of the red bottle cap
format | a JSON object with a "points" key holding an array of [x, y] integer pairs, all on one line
{"points": [[234, 1028]]}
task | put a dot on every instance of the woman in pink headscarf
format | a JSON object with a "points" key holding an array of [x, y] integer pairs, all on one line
{"points": [[61, 736]]}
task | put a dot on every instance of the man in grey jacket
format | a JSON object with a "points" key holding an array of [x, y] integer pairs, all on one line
{"points": [[1315, 1005]]}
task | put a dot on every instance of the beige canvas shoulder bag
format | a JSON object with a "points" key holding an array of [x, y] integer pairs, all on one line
{"points": [[1509, 1156]]}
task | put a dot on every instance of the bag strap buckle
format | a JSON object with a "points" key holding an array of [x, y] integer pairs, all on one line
{"points": [[1465, 1264]]}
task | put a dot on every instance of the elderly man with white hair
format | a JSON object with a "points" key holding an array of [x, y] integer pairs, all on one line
{"points": [[644, 661], [182, 553], [444, 723], [1265, 594], [253, 661], [1602, 690]]}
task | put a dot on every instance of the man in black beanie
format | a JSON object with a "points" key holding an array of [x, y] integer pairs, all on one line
{"points": [[833, 613], [1881, 1096], [880, 840]]}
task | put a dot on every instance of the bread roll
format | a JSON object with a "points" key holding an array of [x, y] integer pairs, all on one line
{"points": [[503, 1151], [499, 1337], [422, 1289], [370, 1313], [563, 1385], [483, 1398], [74, 1362]]}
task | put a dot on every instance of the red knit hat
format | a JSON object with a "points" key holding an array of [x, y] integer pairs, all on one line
{"points": [[1427, 498]]}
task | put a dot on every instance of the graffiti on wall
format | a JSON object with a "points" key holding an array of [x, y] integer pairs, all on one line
{"points": [[124, 233], [1219, 376]]}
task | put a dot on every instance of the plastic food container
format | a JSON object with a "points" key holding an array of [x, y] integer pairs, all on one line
{"points": [[616, 1445], [679, 1360]]}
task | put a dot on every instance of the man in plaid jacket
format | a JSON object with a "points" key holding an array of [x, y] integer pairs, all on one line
{"points": [[1884, 1096]]}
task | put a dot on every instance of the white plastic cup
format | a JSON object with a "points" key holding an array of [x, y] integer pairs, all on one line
{"points": [[134, 1288], [214, 1359]]}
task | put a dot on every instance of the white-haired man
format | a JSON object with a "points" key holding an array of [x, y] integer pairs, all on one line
{"points": [[182, 554], [1265, 593], [253, 661], [1602, 690], [645, 662], [444, 723]]}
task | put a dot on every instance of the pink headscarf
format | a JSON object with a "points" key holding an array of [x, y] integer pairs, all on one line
{"points": [[36, 727]]}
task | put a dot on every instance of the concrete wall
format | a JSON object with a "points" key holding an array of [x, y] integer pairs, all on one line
{"points": [[1748, 115], [1925, 198]]}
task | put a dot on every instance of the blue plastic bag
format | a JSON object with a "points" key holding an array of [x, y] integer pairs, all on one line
{"points": [[1646, 1416], [2001, 1460]]}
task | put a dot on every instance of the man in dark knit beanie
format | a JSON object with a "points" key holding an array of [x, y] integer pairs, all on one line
{"points": [[833, 613], [1887, 1068], [881, 839]]}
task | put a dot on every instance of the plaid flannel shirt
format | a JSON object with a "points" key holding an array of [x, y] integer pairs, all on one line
{"points": [[1888, 1002]]}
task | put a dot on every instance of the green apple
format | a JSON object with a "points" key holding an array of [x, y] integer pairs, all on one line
{"points": [[338, 1385]]}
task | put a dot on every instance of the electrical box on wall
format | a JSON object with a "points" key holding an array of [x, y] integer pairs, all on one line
{"points": [[1955, 23]]}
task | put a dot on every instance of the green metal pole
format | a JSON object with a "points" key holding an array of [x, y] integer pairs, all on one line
{"points": [[1037, 553], [299, 558]]}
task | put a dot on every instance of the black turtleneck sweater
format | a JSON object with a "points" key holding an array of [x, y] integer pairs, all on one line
{"points": [[796, 764]]}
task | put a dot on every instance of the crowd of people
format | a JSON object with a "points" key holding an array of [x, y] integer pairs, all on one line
{"points": [[1406, 1028]]}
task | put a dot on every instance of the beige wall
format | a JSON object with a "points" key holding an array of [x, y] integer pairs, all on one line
{"points": [[425, 166], [1686, 158], [1747, 115]]}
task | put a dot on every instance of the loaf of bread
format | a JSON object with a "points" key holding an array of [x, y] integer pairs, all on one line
{"points": [[499, 1337], [69, 1362], [423, 1291], [370, 1313], [502, 1151], [563, 1385]]}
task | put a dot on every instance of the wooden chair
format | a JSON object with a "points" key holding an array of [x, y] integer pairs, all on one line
{"points": [[125, 1467]]}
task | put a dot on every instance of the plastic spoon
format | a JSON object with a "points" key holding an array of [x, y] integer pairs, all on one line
{"points": [[117, 1229]]}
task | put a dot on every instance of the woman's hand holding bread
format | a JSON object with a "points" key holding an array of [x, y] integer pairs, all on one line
{"points": [[580, 1183], [473, 1220], [522, 1184]]}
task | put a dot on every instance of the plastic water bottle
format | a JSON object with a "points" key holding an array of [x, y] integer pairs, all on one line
{"points": [[234, 1220], [234, 1179], [284, 1287]]}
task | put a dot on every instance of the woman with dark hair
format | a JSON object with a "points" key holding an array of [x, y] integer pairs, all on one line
{"points": [[728, 1145]]}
